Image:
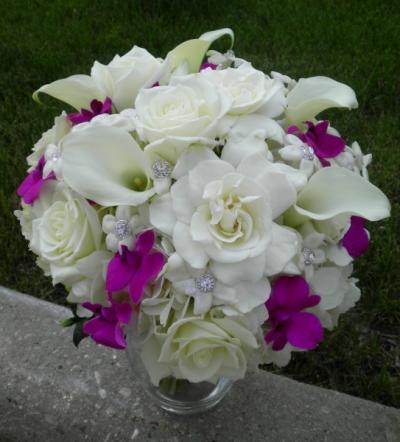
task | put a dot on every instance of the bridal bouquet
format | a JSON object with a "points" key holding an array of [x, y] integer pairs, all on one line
{"points": [[202, 203]]}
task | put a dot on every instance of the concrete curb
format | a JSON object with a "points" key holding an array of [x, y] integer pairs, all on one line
{"points": [[49, 390]]}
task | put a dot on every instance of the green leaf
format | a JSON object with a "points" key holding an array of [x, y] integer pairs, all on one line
{"points": [[79, 334], [68, 322]]}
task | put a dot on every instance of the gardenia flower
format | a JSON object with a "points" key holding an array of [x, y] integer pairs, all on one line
{"points": [[287, 321], [200, 350], [221, 213], [67, 231], [190, 107], [250, 90]]}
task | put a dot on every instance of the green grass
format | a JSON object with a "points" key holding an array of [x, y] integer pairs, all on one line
{"points": [[354, 42]]}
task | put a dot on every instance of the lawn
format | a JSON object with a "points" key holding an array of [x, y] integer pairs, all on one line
{"points": [[355, 42]]}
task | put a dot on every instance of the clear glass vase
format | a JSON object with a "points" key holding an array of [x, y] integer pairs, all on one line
{"points": [[177, 396]]}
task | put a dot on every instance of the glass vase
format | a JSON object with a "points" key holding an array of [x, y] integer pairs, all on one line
{"points": [[177, 396]]}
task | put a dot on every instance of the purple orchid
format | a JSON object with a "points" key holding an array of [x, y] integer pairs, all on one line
{"points": [[30, 188], [97, 108], [356, 239], [288, 323], [105, 327], [324, 144], [135, 269], [208, 66]]}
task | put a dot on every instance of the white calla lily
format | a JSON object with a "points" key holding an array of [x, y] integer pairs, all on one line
{"points": [[335, 190], [313, 95], [77, 91], [106, 165], [212, 36], [186, 58]]}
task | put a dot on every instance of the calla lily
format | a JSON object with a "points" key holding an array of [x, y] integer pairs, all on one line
{"points": [[193, 51], [335, 190], [118, 79], [211, 36], [313, 95], [190, 54], [106, 165], [77, 91]]}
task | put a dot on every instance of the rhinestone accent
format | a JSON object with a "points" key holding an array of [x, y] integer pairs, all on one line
{"points": [[122, 229], [307, 152], [55, 156], [161, 169], [205, 283], [309, 256]]}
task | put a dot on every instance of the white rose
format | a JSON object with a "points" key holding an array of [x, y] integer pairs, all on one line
{"points": [[189, 107], [200, 350], [124, 76], [68, 230], [90, 284], [31, 212], [250, 90]]}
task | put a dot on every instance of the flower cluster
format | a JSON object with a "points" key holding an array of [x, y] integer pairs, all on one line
{"points": [[200, 202]]}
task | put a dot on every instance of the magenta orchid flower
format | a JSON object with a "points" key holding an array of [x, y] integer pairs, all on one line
{"points": [[30, 188], [105, 327], [324, 144], [135, 269], [208, 66], [288, 322], [96, 108], [356, 239]]}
